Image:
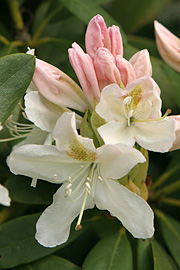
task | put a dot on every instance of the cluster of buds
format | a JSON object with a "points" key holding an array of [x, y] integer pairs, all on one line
{"points": [[95, 140]]}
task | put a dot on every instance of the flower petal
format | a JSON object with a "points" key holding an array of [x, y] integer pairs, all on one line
{"points": [[134, 213], [176, 144], [117, 132], [4, 196], [106, 70], [117, 160], [97, 35], [67, 139], [157, 136], [42, 162], [53, 226], [42, 112], [168, 45], [83, 66], [141, 63], [109, 107], [57, 87]]}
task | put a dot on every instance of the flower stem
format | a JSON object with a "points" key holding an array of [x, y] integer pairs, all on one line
{"points": [[16, 14]]}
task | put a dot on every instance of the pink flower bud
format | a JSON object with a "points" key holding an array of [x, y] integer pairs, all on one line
{"points": [[141, 63], [57, 87], [126, 70], [176, 144], [116, 40], [83, 66], [97, 36], [105, 67], [168, 45]]}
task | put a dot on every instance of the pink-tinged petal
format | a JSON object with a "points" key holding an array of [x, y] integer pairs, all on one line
{"points": [[116, 40], [133, 211], [53, 226], [146, 90], [106, 70], [126, 70], [141, 63], [176, 144], [168, 45], [57, 87], [97, 36], [83, 66]]}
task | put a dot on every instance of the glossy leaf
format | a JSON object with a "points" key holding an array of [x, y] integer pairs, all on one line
{"points": [[111, 253], [16, 72], [49, 263], [144, 255], [21, 191], [18, 244], [170, 229], [161, 259]]}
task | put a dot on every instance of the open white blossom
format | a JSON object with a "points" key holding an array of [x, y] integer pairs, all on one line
{"points": [[4, 196], [90, 177], [134, 115]]}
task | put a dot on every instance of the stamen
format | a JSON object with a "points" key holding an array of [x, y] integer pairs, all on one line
{"points": [[151, 120], [34, 182], [20, 105], [100, 178], [88, 187], [78, 225]]}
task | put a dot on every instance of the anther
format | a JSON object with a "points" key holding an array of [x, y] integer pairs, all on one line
{"points": [[88, 179], [100, 178]]}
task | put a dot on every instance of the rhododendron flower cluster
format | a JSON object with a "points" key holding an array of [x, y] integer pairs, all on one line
{"points": [[94, 140]]}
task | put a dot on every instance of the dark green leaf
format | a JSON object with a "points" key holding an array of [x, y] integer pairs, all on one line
{"points": [[18, 245], [110, 253], [86, 9], [16, 73], [162, 260], [144, 255], [170, 229], [49, 263], [21, 191], [134, 14]]}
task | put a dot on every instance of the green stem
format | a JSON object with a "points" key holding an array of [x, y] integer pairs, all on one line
{"points": [[45, 22], [170, 201], [16, 14], [166, 190], [164, 177]]}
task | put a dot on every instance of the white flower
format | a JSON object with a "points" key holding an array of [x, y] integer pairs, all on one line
{"points": [[134, 115], [89, 177], [4, 196]]}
